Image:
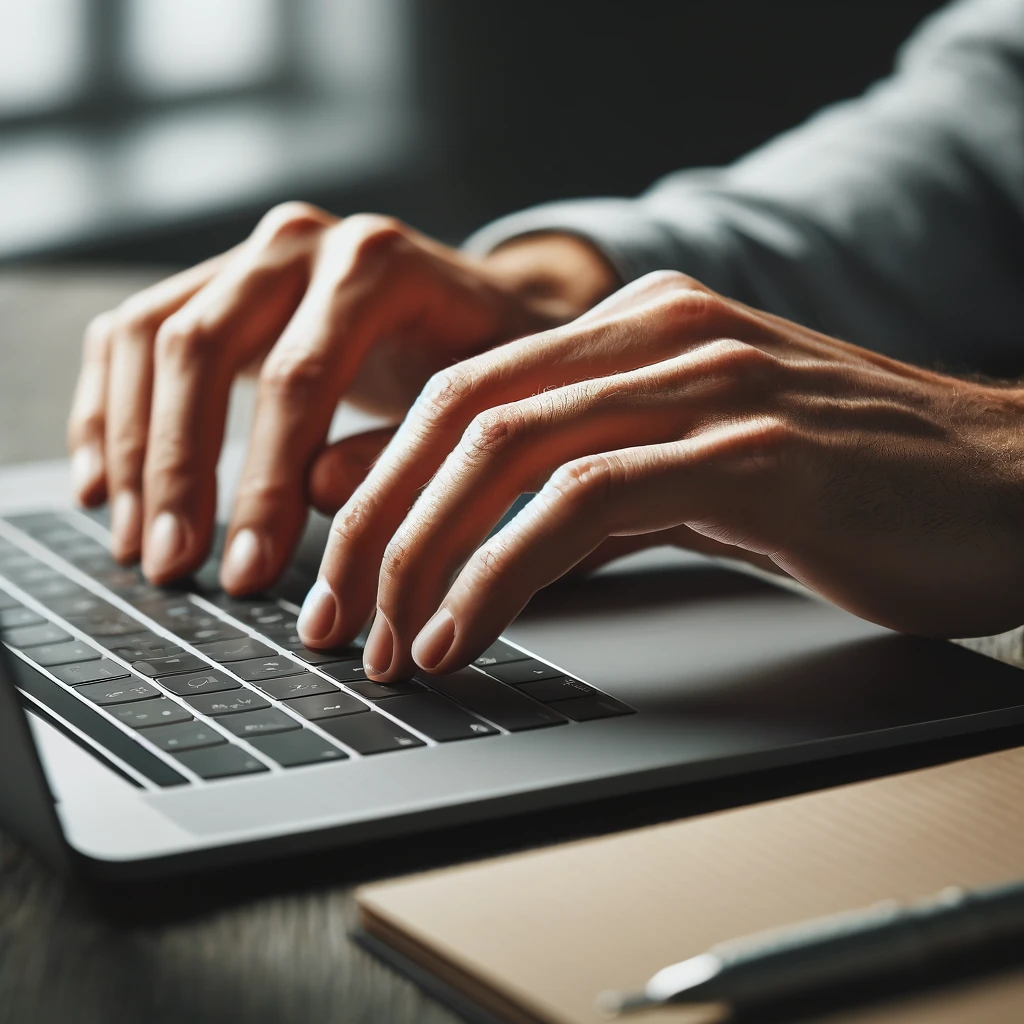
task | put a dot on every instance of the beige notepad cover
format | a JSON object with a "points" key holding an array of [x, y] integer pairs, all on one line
{"points": [[535, 936]]}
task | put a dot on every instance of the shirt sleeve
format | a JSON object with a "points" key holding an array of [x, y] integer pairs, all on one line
{"points": [[895, 220]]}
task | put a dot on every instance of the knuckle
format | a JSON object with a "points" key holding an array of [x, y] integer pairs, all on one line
{"points": [[489, 565], [495, 430], [447, 393], [396, 561], [365, 237], [291, 376], [694, 307], [181, 341], [266, 492], [736, 362], [96, 339], [287, 220], [581, 481]]}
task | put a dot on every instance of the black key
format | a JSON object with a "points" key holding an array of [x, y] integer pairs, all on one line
{"points": [[305, 685], [32, 572], [6, 601], [327, 705], [291, 749], [256, 723], [226, 703], [499, 653], [36, 636], [75, 605], [264, 668], [59, 536], [437, 717], [63, 654], [497, 702], [89, 671], [562, 688], [118, 691], [184, 736], [381, 691], [369, 734], [244, 648], [16, 562], [584, 709], [344, 670], [311, 657], [212, 681], [11, 618], [143, 646], [52, 589], [119, 580], [220, 762], [94, 724], [199, 635], [517, 672], [107, 626], [150, 712], [268, 618], [170, 666]]}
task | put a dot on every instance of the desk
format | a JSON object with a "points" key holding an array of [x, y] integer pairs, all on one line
{"points": [[264, 945]]}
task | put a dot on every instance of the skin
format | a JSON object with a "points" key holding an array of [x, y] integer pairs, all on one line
{"points": [[664, 413]]}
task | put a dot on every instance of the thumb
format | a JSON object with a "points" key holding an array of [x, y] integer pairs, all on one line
{"points": [[340, 468]]}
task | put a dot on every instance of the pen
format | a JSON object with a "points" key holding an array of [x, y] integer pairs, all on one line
{"points": [[840, 948]]}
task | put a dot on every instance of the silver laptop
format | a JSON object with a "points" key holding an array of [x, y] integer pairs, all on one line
{"points": [[145, 731]]}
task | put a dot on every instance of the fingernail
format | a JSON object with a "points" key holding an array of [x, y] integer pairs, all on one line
{"points": [[435, 640], [380, 647], [125, 525], [319, 612], [246, 561], [86, 467], [166, 543]]}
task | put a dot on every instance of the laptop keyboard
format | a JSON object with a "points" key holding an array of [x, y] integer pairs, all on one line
{"points": [[186, 685]]}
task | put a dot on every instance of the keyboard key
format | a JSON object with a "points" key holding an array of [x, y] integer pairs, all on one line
{"points": [[147, 713], [220, 762], [11, 618], [75, 605], [499, 653], [267, 618], [291, 749], [143, 646], [344, 671], [562, 688], [517, 672], [311, 657], [227, 703], [89, 671], [184, 736], [198, 635], [106, 626], [170, 666], [438, 718], [584, 709], [495, 701], [63, 654], [212, 681], [369, 734], [50, 589], [327, 705], [36, 636], [245, 648], [306, 685], [264, 668], [381, 691], [32, 572], [118, 691], [256, 723], [6, 601]]}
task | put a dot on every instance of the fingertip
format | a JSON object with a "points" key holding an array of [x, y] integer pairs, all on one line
{"points": [[88, 474], [247, 563], [166, 548], [434, 641], [126, 526], [318, 616]]}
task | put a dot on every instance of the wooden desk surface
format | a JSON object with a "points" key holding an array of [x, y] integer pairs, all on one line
{"points": [[266, 944]]}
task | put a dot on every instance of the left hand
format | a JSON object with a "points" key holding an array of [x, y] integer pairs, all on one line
{"points": [[896, 492]]}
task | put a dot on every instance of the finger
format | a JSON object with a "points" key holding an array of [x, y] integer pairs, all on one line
{"points": [[198, 352], [736, 477], [341, 467], [87, 421], [618, 338], [362, 287], [514, 448]]}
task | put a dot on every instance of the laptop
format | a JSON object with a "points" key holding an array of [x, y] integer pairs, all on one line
{"points": [[145, 731]]}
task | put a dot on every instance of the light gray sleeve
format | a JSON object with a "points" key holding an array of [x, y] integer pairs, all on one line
{"points": [[895, 220]]}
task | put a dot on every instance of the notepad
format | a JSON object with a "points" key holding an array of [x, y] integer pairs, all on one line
{"points": [[534, 937]]}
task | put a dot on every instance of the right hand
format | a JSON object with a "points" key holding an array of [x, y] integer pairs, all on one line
{"points": [[362, 308]]}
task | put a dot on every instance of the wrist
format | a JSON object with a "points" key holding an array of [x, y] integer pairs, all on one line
{"points": [[558, 276]]}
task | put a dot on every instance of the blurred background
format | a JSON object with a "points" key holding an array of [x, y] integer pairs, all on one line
{"points": [[138, 135], [158, 129]]}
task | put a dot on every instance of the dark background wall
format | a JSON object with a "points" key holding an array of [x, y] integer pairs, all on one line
{"points": [[537, 99]]}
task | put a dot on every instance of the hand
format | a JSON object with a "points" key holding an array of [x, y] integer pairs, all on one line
{"points": [[362, 307], [895, 492]]}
